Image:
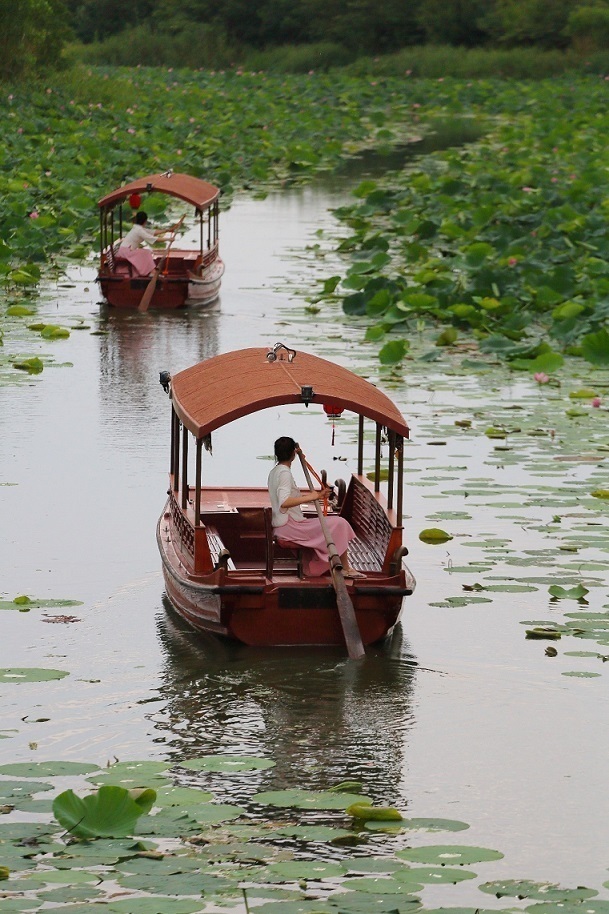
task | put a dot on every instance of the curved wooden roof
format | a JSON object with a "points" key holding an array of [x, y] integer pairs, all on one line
{"points": [[235, 384], [185, 187]]}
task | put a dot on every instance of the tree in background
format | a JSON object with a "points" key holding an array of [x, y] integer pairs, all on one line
{"points": [[588, 27], [94, 20], [531, 22], [32, 37], [456, 22]]}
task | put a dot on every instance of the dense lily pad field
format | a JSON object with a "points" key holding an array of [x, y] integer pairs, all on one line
{"points": [[503, 240]]}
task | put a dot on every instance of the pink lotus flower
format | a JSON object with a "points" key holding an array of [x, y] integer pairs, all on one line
{"points": [[541, 377], [596, 402], [512, 261], [33, 214]]}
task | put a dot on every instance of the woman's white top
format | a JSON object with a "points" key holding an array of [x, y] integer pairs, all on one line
{"points": [[282, 485], [136, 236]]}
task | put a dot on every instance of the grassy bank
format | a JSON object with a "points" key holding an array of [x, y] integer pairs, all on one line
{"points": [[202, 46]]}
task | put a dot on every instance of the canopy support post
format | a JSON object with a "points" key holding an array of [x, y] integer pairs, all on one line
{"points": [[184, 467], [390, 480], [377, 460], [175, 457], [360, 447], [399, 444], [198, 483]]}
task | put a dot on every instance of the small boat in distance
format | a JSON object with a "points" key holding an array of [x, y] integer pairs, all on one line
{"points": [[183, 276], [224, 570]]}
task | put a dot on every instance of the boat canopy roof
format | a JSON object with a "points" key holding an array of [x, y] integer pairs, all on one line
{"points": [[184, 187], [226, 387]]}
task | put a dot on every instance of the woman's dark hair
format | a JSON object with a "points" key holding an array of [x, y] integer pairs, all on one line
{"points": [[284, 448], [141, 217]]}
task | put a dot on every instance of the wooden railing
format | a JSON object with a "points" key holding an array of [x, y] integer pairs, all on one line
{"points": [[372, 527]]}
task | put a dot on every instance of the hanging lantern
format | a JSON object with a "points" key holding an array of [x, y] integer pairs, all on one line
{"points": [[333, 411], [135, 201]]}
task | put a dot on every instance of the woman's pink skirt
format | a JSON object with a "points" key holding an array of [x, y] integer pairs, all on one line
{"points": [[141, 260], [309, 534]]}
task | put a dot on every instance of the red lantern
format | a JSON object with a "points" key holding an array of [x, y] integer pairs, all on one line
{"points": [[135, 201], [333, 411]]}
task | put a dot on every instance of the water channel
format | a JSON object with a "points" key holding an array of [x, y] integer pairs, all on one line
{"points": [[459, 717]]}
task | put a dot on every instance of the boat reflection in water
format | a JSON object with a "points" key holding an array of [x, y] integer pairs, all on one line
{"points": [[320, 717]]}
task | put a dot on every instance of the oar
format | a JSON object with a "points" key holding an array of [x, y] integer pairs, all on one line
{"points": [[149, 291], [353, 639]]}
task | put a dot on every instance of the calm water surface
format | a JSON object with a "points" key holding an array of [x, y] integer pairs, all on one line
{"points": [[459, 717]]}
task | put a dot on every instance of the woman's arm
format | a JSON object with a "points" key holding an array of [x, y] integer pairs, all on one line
{"points": [[304, 498]]}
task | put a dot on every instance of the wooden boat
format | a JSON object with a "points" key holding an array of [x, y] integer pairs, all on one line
{"points": [[186, 276], [224, 572]]}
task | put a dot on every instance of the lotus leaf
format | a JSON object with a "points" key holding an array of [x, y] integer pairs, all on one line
{"points": [[434, 536], [227, 763], [393, 352], [445, 853], [381, 885], [366, 812], [581, 674], [431, 874], [516, 888], [595, 347], [308, 799], [130, 774], [22, 674], [13, 789], [543, 633], [110, 812], [32, 365], [159, 905], [45, 769], [366, 903], [294, 870], [571, 593]]}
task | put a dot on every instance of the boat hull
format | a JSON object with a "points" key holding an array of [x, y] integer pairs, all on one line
{"points": [[259, 611], [175, 290]]}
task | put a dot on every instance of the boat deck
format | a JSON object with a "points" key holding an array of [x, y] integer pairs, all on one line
{"points": [[237, 522]]}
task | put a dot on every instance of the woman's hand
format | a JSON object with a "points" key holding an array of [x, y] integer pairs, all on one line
{"points": [[318, 496]]}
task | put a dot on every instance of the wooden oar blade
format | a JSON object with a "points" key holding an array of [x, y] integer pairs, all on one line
{"points": [[148, 292], [353, 639], [346, 611]]}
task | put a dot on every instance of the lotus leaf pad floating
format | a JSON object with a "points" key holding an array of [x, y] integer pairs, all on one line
{"points": [[525, 888], [45, 769], [226, 763], [445, 853], [308, 799], [434, 535], [32, 674]]}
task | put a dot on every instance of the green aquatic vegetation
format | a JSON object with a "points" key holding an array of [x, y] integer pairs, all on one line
{"points": [[33, 365], [32, 674], [434, 536], [227, 763], [458, 854], [110, 812], [192, 866], [23, 603], [502, 240], [568, 593]]}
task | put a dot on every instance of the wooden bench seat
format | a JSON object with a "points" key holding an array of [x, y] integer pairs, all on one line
{"points": [[362, 557]]}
